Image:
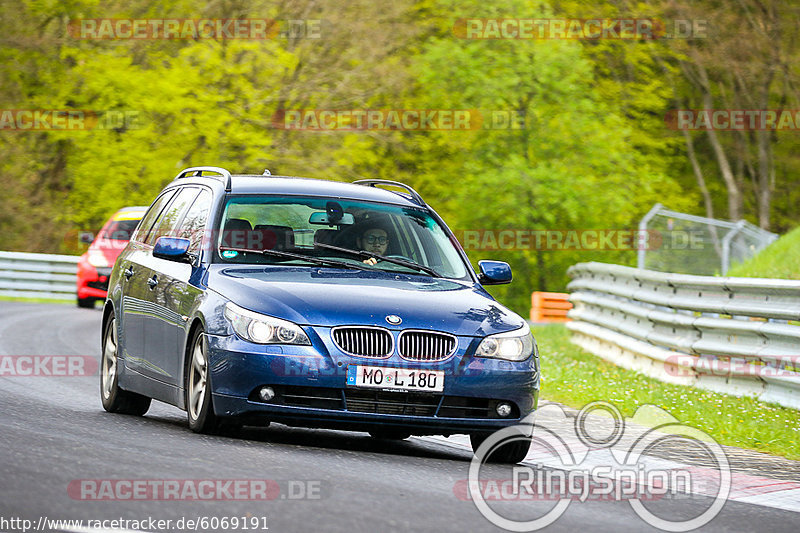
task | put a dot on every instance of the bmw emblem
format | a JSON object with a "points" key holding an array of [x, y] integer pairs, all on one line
{"points": [[393, 320]]}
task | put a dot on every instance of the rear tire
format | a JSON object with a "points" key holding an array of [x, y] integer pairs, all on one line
{"points": [[511, 450], [115, 399], [86, 303], [199, 408]]}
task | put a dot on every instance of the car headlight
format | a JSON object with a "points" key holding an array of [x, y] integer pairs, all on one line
{"points": [[97, 259], [263, 329], [515, 345]]}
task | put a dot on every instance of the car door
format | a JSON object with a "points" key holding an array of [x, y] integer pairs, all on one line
{"points": [[178, 290], [133, 266], [160, 320]]}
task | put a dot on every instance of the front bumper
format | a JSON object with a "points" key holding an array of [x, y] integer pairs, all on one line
{"points": [[92, 282], [310, 382]]}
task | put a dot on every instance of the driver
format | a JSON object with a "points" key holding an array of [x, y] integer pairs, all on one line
{"points": [[373, 239]]}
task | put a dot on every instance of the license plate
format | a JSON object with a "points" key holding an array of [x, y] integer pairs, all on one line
{"points": [[395, 378]]}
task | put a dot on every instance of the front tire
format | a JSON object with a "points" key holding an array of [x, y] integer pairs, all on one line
{"points": [[86, 303], [511, 450], [389, 435], [199, 408], [115, 399]]}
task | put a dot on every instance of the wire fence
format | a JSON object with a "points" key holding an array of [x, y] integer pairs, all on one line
{"points": [[689, 244]]}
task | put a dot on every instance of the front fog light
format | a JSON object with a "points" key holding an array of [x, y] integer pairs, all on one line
{"points": [[266, 394], [503, 409]]}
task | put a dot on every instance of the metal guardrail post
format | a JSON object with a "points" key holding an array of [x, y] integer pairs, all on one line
{"points": [[726, 246], [643, 236]]}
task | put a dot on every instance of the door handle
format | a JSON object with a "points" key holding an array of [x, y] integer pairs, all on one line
{"points": [[152, 282], [128, 272]]}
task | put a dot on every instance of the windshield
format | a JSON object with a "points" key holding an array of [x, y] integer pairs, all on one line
{"points": [[120, 230], [276, 230]]}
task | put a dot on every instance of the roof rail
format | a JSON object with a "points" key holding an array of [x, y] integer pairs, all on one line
{"points": [[414, 194], [198, 171]]}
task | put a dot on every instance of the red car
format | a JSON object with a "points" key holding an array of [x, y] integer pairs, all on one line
{"points": [[94, 266]]}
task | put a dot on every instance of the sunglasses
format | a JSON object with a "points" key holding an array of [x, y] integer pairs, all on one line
{"points": [[372, 239]]}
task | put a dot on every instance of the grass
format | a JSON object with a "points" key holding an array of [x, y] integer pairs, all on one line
{"points": [[575, 377], [36, 300], [779, 260]]}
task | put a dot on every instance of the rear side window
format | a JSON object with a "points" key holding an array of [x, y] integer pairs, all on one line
{"points": [[194, 223], [152, 215], [168, 221]]}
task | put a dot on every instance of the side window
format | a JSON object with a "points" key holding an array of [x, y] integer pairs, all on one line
{"points": [[168, 221], [147, 222], [194, 223]]}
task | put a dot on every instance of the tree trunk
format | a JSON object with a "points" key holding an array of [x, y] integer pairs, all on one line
{"points": [[764, 174]]}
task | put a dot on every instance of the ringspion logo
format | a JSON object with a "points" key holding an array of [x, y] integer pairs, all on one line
{"points": [[602, 460]]}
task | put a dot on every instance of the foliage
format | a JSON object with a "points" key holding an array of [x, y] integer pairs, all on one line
{"points": [[780, 260], [594, 152]]}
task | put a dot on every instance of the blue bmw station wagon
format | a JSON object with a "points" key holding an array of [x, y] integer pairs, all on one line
{"points": [[250, 299]]}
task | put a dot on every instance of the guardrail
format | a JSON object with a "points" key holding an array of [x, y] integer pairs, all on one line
{"points": [[739, 336], [28, 275]]}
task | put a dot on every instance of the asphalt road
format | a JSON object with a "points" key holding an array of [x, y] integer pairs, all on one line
{"points": [[54, 433]]}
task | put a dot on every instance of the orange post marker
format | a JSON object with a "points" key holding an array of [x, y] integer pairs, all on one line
{"points": [[549, 306]]}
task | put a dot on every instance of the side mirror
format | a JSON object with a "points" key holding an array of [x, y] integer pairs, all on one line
{"points": [[494, 272], [173, 249], [86, 237]]}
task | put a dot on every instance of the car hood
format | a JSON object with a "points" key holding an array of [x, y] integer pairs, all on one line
{"points": [[109, 248], [331, 297]]}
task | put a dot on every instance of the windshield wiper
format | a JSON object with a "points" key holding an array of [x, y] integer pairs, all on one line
{"points": [[364, 253], [302, 257]]}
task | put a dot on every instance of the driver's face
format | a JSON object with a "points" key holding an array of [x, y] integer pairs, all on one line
{"points": [[375, 240]]}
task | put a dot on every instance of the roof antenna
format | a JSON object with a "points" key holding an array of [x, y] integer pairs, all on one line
{"points": [[267, 172]]}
